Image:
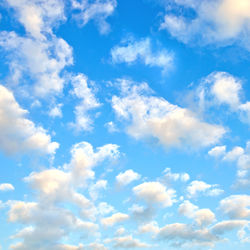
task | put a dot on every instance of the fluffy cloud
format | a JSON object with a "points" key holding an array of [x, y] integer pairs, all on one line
{"points": [[197, 187], [48, 220], [151, 227], [34, 58], [6, 187], [155, 192], [229, 225], [38, 16], [142, 51], [95, 189], [127, 242], [169, 176], [96, 10], [19, 134], [127, 177], [114, 219], [155, 117], [219, 21], [202, 217], [82, 91], [186, 236], [236, 206], [217, 151]]}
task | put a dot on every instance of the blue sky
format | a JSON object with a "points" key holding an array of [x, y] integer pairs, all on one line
{"points": [[124, 124]]}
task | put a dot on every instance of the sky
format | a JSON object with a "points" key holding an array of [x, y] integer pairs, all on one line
{"points": [[124, 124]]}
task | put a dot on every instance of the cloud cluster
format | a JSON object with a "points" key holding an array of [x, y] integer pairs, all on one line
{"points": [[151, 116], [141, 50], [96, 10], [215, 22], [18, 134]]}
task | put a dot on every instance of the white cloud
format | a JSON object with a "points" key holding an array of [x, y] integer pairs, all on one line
{"points": [[42, 60], [128, 242], [197, 187], [56, 111], [220, 22], [236, 206], [234, 154], [104, 208], [19, 134], [82, 91], [151, 227], [6, 187], [155, 117], [182, 235], [169, 176], [217, 151], [95, 188], [142, 51], [155, 192], [114, 219], [127, 177], [227, 226], [202, 217], [96, 10], [38, 16]]}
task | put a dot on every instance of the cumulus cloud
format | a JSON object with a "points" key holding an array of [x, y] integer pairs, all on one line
{"points": [[152, 116], [6, 187], [38, 17], [96, 10], [127, 242], [49, 219], [155, 193], [242, 158], [95, 189], [182, 235], [202, 217], [236, 206], [114, 219], [142, 51], [169, 176], [151, 227], [19, 134], [227, 226], [84, 92], [223, 89], [127, 177], [217, 151], [38, 54], [197, 187], [215, 22]]}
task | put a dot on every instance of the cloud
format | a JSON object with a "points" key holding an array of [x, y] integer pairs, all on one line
{"points": [[154, 117], [96, 10], [169, 176], [197, 187], [95, 188], [82, 91], [38, 17], [227, 226], [202, 217], [127, 177], [56, 111], [19, 134], [6, 187], [236, 206], [41, 60], [114, 219], [155, 193], [49, 219], [217, 151], [182, 235], [142, 51], [128, 242], [220, 22], [151, 227], [242, 158]]}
